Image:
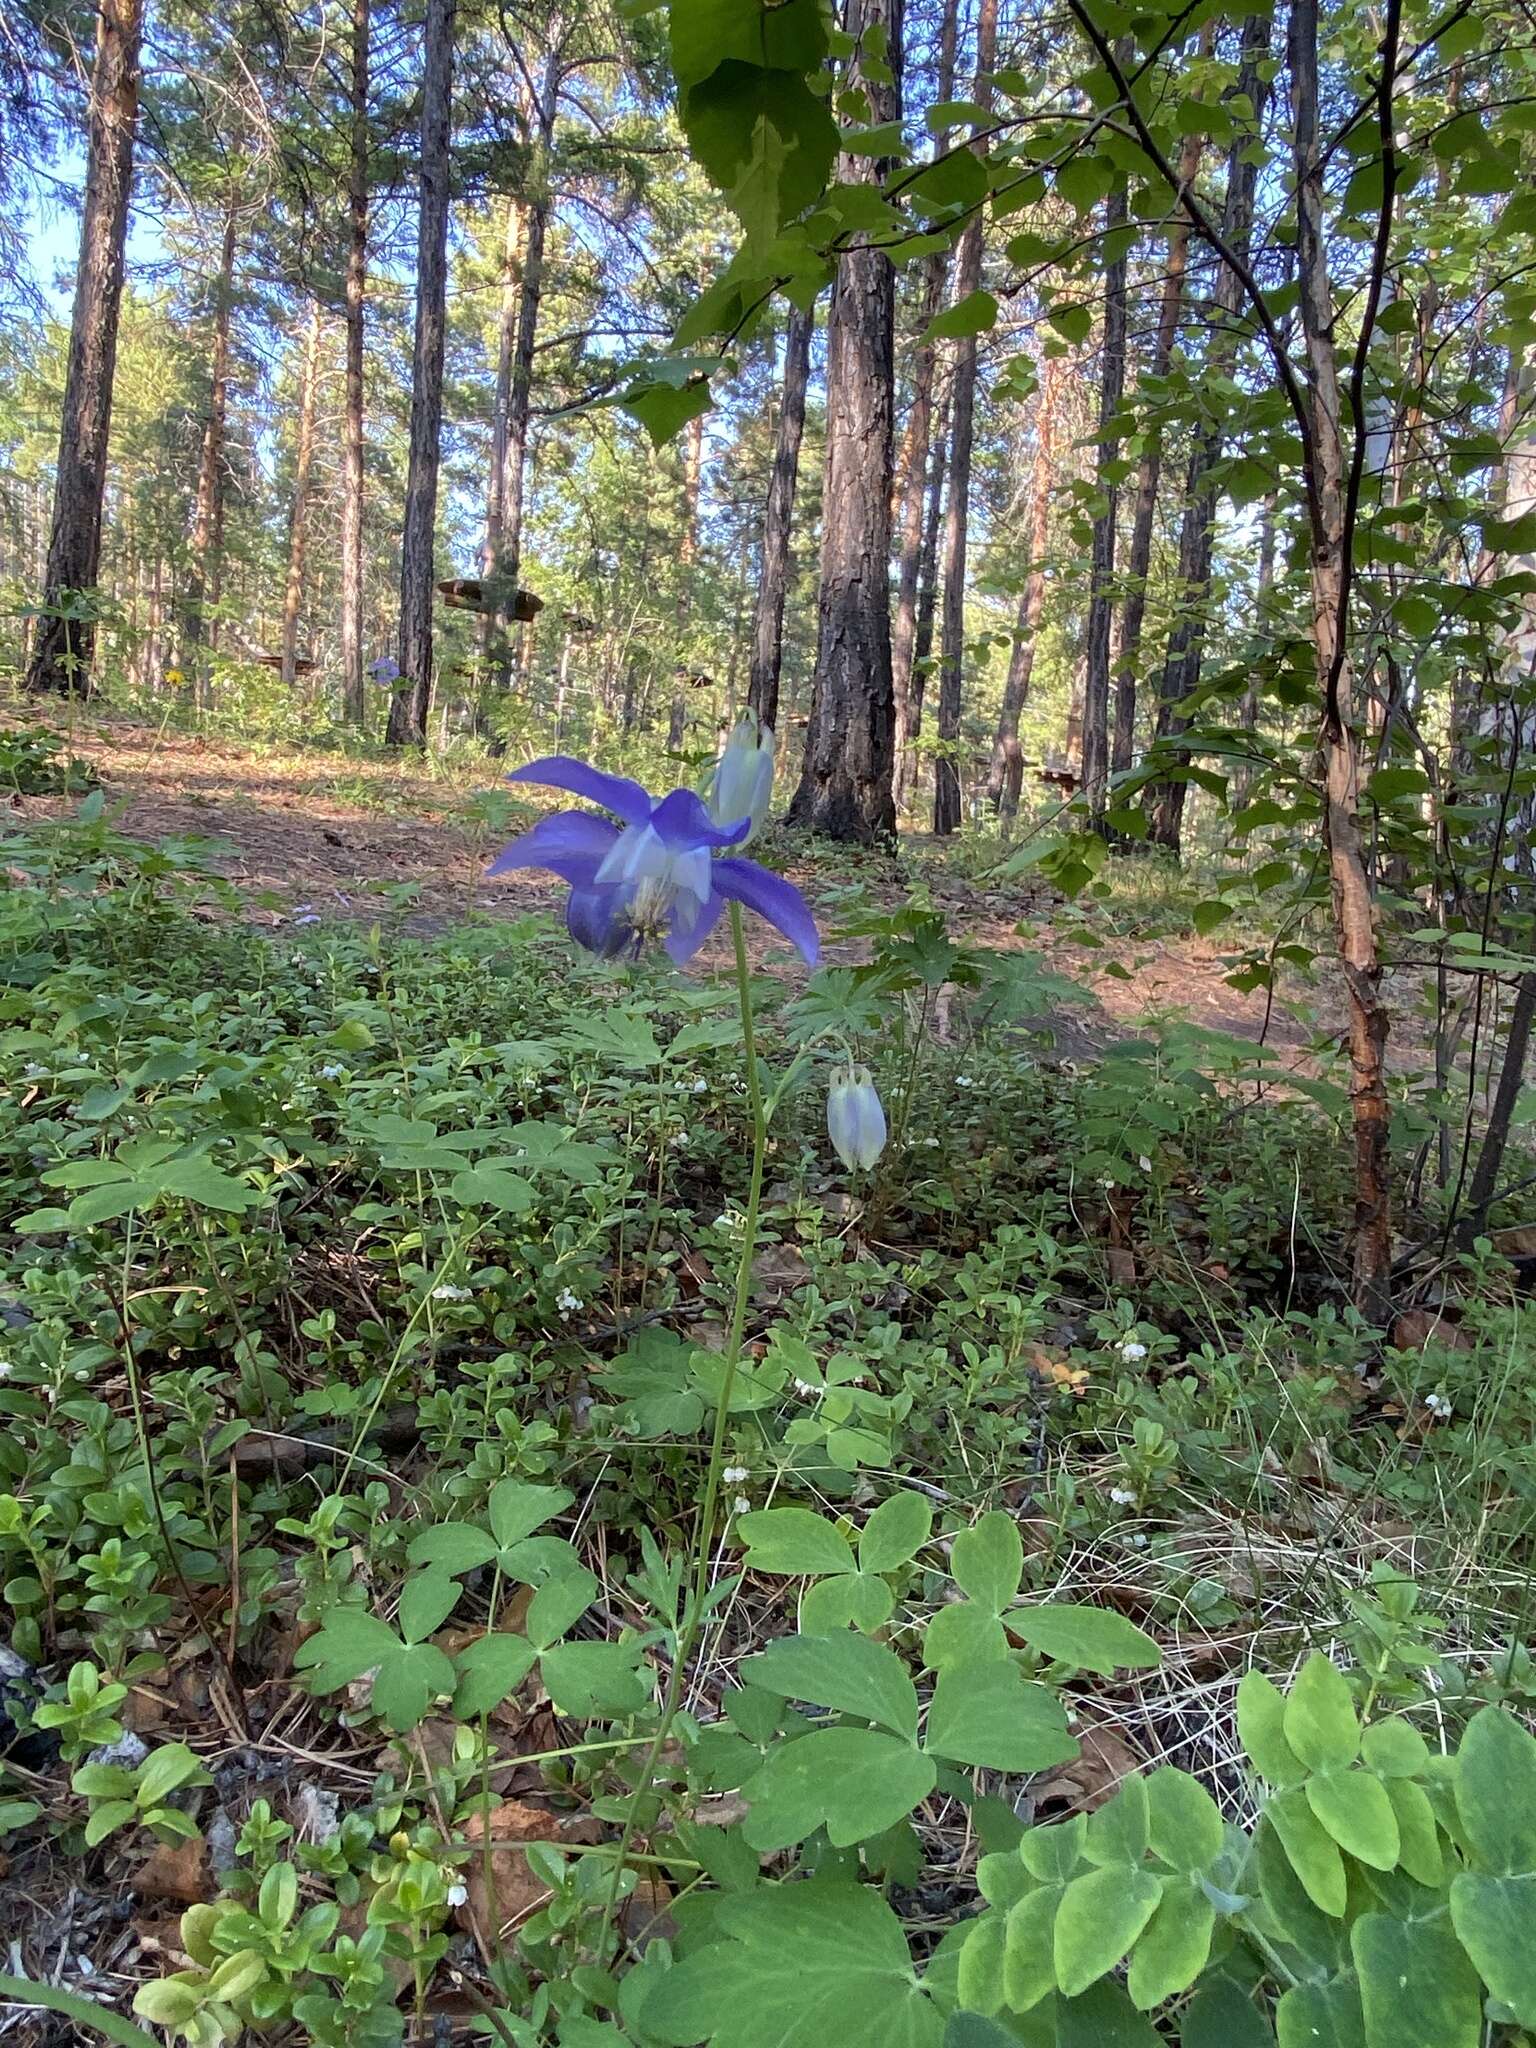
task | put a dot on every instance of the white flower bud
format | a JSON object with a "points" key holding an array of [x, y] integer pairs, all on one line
{"points": [[855, 1118], [743, 784]]}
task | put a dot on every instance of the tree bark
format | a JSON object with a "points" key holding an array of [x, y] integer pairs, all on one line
{"points": [[1248, 712], [1149, 475], [412, 701], [916, 445], [503, 580], [693, 469], [298, 511], [1353, 918], [208, 507], [845, 787], [64, 638], [907, 772], [1095, 755], [1164, 799], [946, 772], [778, 522], [353, 688], [1005, 782]]}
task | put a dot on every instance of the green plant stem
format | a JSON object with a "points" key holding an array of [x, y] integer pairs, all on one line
{"points": [[692, 1620]]}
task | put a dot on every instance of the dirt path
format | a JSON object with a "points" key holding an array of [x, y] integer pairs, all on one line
{"points": [[323, 835]]}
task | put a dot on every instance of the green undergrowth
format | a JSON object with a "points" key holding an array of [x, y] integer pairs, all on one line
{"points": [[361, 1307]]}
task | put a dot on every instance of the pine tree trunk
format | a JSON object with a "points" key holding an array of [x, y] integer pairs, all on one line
{"points": [[512, 255], [1149, 475], [1164, 799], [412, 701], [1353, 917], [298, 511], [1005, 781], [845, 787], [353, 688], [1095, 745], [917, 451], [907, 772], [693, 467], [62, 646], [778, 522], [208, 507], [503, 580], [1248, 712], [946, 773]]}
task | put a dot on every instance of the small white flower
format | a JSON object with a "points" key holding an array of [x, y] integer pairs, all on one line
{"points": [[1122, 1497], [1130, 1350], [804, 1389], [1438, 1404], [1144, 1163], [34, 1070], [680, 1142], [448, 1292], [6, 1368], [458, 1894], [331, 1072], [701, 1086], [741, 1505], [1137, 1542], [1107, 1180], [735, 1475], [964, 1081], [930, 1141], [568, 1302]]}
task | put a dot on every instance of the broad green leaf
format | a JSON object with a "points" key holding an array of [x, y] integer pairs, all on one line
{"points": [[975, 2029], [1394, 1749], [454, 1546], [1121, 1829], [987, 1560], [847, 1673], [1029, 1947], [1354, 1808], [1055, 1852], [559, 1604], [1103, 2018], [426, 1601], [847, 1600], [855, 1782], [664, 409], [517, 1508], [590, 1679], [1417, 1988], [793, 1541], [1185, 1823], [194, 1180], [895, 1533], [786, 34], [1320, 1723], [1312, 1851], [975, 314], [408, 1682], [100, 1205], [1496, 1793], [491, 1187], [1098, 1921], [801, 1965], [488, 1671], [1419, 1849], [964, 1634], [1074, 323], [1175, 1946], [980, 1977], [1222, 2015], [1321, 2016], [1493, 1917], [1321, 1938], [1090, 1637], [347, 1643], [1261, 1730], [764, 139], [993, 1717]]}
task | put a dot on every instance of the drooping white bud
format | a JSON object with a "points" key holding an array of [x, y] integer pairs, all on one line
{"points": [[855, 1118], [743, 783]]}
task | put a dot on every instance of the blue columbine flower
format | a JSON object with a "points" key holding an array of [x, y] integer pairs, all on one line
{"points": [[663, 875], [385, 671]]}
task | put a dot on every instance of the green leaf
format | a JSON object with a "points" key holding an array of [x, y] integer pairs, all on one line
{"points": [[992, 1717], [426, 1601], [793, 1541], [847, 1673], [1492, 1917], [559, 1604], [1207, 915], [488, 1671], [1091, 1637], [854, 1782], [100, 1205], [975, 314], [1029, 1947], [347, 1643], [764, 139], [1222, 2015], [194, 1180], [1394, 1749], [455, 1546], [1321, 2016], [664, 409], [1320, 1723], [1311, 1850], [963, 1634], [798, 1966], [408, 1683], [1103, 2018], [1184, 1822], [1175, 1946], [492, 1187], [1261, 1730], [517, 1508], [1098, 1921], [85, 2012], [1354, 1808], [1496, 1793], [589, 1679], [979, 1979], [895, 1533], [1074, 323], [987, 1560], [1417, 1988], [786, 34], [847, 1600], [1419, 1849]]}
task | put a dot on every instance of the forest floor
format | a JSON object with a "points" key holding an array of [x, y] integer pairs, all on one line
{"points": [[303, 833]]}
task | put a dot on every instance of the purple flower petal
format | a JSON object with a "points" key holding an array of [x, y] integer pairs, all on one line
{"points": [[595, 919], [780, 902], [570, 844], [616, 793], [681, 823], [682, 945]]}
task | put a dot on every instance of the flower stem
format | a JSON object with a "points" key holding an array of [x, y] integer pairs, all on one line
{"points": [[691, 1621]]}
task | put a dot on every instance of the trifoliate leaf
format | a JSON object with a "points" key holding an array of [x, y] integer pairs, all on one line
{"points": [[855, 1782], [846, 1673]]}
